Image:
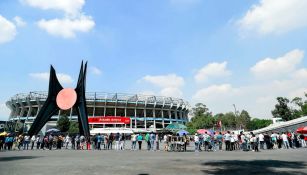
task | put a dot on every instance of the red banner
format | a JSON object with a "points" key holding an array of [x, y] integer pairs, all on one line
{"points": [[109, 120]]}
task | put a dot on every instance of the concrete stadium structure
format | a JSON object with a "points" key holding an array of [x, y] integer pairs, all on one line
{"points": [[144, 111]]}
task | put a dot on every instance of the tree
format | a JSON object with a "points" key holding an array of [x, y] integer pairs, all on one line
{"points": [[258, 123], [63, 123], [282, 109], [243, 119], [200, 109], [73, 128]]}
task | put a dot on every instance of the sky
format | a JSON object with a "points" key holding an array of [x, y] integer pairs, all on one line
{"points": [[216, 52]]}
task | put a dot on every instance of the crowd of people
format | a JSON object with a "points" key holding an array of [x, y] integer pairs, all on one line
{"points": [[248, 141], [228, 141]]}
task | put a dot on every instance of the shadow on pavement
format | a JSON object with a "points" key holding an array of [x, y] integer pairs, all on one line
{"points": [[255, 167], [4, 159]]}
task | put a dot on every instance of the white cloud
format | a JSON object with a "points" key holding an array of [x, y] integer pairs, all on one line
{"points": [[67, 27], [214, 91], [270, 16], [4, 112], [164, 81], [19, 21], [212, 70], [7, 30], [170, 84], [171, 92], [259, 97], [95, 70], [73, 21], [270, 67], [63, 78], [70, 7]]}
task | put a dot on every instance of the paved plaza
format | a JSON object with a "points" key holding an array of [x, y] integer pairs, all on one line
{"points": [[38, 162]]}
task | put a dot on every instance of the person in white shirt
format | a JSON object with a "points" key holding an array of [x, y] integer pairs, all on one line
{"points": [[67, 140], [261, 140], [227, 137], [196, 141], [285, 140], [33, 138], [26, 142]]}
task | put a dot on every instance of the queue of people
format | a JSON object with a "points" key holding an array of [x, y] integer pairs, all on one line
{"points": [[248, 141], [228, 141]]}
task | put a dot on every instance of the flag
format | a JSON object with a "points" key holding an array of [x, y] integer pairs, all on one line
{"points": [[219, 124]]}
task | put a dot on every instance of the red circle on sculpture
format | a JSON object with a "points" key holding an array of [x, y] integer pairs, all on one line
{"points": [[66, 98]]}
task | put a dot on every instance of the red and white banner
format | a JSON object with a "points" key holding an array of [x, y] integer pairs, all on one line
{"points": [[109, 120]]}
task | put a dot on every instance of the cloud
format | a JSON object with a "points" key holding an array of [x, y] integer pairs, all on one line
{"points": [[7, 30], [212, 70], [95, 70], [214, 91], [19, 21], [63, 78], [171, 92], [170, 84], [164, 81], [4, 112], [69, 7], [66, 27], [259, 97], [270, 67], [271, 17], [73, 21]]}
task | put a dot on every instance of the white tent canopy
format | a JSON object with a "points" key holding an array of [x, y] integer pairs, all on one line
{"points": [[110, 130]]}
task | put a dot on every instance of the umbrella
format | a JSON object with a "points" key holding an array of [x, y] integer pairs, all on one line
{"points": [[202, 131], [302, 130], [181, 132], [175, 126], [53, 130], [3, 134]]}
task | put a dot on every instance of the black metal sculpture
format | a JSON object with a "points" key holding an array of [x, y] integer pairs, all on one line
{"points": [[50, 106]]}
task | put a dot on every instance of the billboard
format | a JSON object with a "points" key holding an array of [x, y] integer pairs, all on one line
{"points": [[109, 120]]}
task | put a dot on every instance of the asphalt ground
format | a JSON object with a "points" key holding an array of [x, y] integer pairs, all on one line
{"points": [[62, 162]]}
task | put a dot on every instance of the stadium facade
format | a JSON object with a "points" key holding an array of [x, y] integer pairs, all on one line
{"points": [[108, 110]]}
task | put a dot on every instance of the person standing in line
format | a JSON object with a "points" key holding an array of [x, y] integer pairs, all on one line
{"points": [[73, 142], [133, 142], [139, 139], [147, 139], [122, 141], [110, 141], [219, 138], [232, 141], [227, 140], [196, 142], [26, 142], [38, 142], [67, 140], [152, 141], [261, 140], [303, 142], [98, 141], [117, 139], [285, 140], [77, 139], [82, 141], [165, 140], [33, 138], [157, 142]]}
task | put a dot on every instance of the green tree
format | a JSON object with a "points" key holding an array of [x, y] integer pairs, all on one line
{"points": [[282, 109], [258, 123], [243, 119], [63, 123], [73, 128]]}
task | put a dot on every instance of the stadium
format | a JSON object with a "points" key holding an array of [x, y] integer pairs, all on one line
{"points": [[108, 110]]}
